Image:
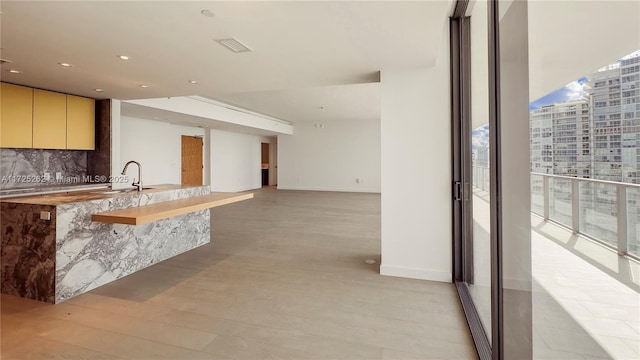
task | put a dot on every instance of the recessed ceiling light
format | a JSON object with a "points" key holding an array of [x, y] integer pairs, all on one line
{"points": [[98, 90], [207, 13], [144, 86], [63, 64], [123, 57], [234, 45], [14, 71], [193, 81]]}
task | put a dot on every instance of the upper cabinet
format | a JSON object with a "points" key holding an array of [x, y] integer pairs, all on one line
{"points": [[49, 120], [40, 119], [16, 124], [81, 124]]}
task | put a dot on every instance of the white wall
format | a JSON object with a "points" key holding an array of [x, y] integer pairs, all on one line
{"points": [[157, 146], [235, 161], [416, 171], [330, 158]]}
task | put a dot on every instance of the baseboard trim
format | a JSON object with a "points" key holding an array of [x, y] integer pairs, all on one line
{"points": [[313, 188], [236, 190], [415, 273]]}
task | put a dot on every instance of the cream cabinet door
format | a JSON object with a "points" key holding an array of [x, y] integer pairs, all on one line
{"points": [[16, 124], [49, 120], [81, 123]]}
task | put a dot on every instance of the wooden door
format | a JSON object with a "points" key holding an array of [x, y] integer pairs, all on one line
{"points": [[191, 160]]}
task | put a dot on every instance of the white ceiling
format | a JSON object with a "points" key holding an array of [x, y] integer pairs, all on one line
{"points": [[305, 54], [561, 51]]}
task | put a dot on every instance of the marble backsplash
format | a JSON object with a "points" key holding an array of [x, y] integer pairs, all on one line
{"points": [[26, 167]]}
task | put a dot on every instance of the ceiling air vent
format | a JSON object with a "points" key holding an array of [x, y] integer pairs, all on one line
{"points": [[234, 45]]}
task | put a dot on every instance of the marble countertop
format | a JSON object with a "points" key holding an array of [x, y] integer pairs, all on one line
{"points": [[89, 195]]}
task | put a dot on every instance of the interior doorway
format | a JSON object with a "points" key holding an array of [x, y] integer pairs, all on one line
{"points": [[192, 165], [265, 150]]}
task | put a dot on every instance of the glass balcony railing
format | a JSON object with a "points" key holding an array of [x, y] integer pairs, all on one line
{"points": [[605, 211]]}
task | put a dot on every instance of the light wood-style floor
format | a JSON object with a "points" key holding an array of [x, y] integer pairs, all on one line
{"points": [[284, 278]]}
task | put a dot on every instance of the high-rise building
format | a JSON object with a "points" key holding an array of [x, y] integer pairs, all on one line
{"points": [[598, 137], [541, 124], [630, 108], [561, 139], [604, 95]]}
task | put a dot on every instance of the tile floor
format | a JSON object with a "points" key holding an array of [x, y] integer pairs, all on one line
{"points": [[585, 299]]}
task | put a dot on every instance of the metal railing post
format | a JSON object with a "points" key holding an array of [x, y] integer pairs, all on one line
{"points": [[575, 206], [545, 197], [621, 206]]}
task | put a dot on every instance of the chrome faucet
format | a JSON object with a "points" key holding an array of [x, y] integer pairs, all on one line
{"points": [[138, 183]]}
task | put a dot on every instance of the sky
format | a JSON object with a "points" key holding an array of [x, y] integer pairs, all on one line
{"points": [[575, 90]]}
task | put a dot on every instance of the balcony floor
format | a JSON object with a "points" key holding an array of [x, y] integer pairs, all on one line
{"points": [[586, 298]]}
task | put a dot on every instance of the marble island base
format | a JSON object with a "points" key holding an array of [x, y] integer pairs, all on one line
{"points": [[54, 260]]}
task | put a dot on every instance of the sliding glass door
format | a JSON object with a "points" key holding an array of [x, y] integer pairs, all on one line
{"points": [[472, 165], [479, 173], [546, 129], [511, 215], [490, 113]]}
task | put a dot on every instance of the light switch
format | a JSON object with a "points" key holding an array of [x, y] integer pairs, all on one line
{"points": [[45, 215]]}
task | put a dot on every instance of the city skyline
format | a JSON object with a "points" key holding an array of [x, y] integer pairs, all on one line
{"points": [[588, 128]]}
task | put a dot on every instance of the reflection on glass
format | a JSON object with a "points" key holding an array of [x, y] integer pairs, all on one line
{"points": [[481, 287]]}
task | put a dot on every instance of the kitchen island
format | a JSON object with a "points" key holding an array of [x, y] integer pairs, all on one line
{"points": [[53, 250]]}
